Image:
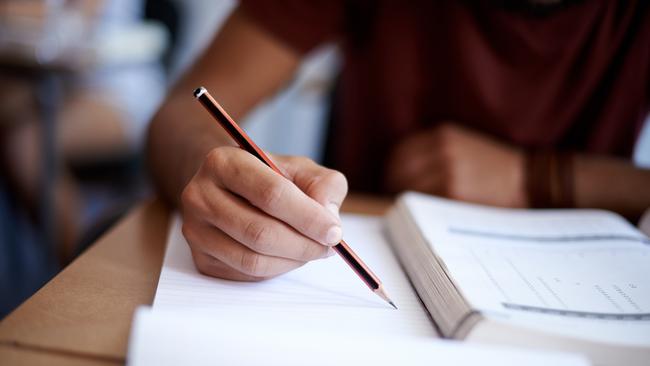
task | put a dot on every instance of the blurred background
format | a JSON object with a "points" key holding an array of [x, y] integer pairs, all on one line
{"points": [[79, 82]]}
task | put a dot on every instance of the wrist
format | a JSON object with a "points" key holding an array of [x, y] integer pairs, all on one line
{"points": [[519, 195]]}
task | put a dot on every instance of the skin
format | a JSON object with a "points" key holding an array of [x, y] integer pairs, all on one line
{"points": [[240, 216], [448, 160], [452, 161], [244, 222]]}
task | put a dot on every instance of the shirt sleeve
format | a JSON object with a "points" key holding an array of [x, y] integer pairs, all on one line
{"points": [[302, 25]]}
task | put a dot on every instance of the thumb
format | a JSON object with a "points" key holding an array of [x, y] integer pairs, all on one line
{"points": [[326, 186]]}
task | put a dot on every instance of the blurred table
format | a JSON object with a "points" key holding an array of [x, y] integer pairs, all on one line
{"points": [[83, 315]]}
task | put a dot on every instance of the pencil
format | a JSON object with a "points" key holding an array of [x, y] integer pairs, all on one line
{"points": [[246, 143]]}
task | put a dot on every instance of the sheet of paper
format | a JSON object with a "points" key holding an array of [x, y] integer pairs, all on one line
{"points": [[320, 314], [580, 272], [325, 294], [162, 337]]}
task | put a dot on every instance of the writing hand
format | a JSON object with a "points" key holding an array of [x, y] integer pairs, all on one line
{"points": [[243, 221]]}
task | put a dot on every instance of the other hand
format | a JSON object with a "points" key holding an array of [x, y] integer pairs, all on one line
{"points": [[455, 162]]}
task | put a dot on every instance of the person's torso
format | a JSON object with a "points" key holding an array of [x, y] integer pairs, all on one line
{"points": [[576, 78]]}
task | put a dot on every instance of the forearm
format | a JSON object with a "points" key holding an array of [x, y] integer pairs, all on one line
{"points": [[179, 138], [242, 66], [612, 184]]}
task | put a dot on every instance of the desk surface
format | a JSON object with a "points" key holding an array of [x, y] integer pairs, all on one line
{"points": [[83, 315]]}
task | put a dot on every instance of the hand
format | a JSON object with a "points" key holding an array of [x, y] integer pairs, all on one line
{"points": [[454, 162], [243, 221]]}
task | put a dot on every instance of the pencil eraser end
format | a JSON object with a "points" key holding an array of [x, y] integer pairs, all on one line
{"points": [[199, 91]]}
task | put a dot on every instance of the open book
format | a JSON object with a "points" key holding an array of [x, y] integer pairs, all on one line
{"points": [[195, 316], [574, 280]]}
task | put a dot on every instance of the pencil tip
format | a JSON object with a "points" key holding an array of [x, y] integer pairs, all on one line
{"points": [[382, 293]]}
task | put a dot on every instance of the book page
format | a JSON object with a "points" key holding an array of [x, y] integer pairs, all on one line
{"points": [[568, 271], [323, 294]]}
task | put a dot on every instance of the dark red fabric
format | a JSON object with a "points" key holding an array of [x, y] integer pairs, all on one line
{"points": [[576, 78]]}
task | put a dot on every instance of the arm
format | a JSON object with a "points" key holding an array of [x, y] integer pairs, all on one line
{"points": [[242, 221], [613, 184], [455, 162], [242, 66]]}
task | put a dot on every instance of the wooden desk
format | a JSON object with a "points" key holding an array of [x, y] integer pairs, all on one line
{"points": [[83, 315]]}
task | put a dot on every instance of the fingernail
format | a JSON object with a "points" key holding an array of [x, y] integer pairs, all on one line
{"points": [[333, 208], [333, 236]]}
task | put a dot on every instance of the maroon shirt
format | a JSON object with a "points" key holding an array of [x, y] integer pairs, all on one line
{"points": [[575, 78]]}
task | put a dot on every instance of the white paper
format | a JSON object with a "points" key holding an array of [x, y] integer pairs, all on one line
{"points": [[323, 294], [320, 314], [163, 337]]}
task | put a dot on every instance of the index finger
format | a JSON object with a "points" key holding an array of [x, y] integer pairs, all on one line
{"points": [[246, 176], [328, 187]]}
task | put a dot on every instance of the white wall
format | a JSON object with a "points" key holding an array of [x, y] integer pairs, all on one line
{"points": [[642, 151]]}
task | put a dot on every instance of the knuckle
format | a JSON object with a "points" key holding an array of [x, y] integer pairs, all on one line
{"points": [[312, 223], [191, 197], [187, 232], [310, 252], [253, 264], [194, 203], [204, 267], [313, 185], [301, 160], [206, 270], [217, 159], [202, 263], [185, 227], [293, 164], [327, 183], [193, 238], [210, 267], [272, 194], [337, 178], [260, 237], [188, 195]]}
